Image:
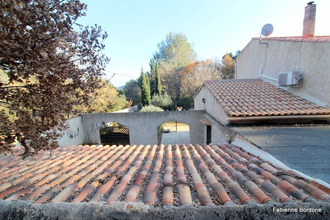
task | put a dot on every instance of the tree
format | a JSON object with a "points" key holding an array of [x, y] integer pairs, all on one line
{"points": [[194, 75], [164, 101], [105, 99], [132, 91], [175, 52], [172, 56], [145, 89], [228, 65], [152, 76], [172, 82], [51, 63], [186, 102], [158, 84]]}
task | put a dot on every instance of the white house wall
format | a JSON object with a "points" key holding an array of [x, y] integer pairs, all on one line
{"points": [[218, 118], [211, 105], [309, 58], [74, 134]]}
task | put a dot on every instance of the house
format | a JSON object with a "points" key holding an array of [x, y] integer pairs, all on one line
{"points": [[251, 101], [307, 56], [277, 79], [188, 181], [279, 100]]}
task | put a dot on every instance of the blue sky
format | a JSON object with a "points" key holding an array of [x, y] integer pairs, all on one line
{"points": [[213, 27]]}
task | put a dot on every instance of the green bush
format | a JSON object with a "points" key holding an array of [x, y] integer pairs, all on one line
{"points": [[185, 102], [164, 101], [151, 108]]}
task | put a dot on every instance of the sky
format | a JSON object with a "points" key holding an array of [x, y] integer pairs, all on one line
{"points": [[213, 27]]}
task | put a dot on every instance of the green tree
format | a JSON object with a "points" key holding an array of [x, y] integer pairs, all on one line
{"points": [[186, 102], [175, 52], [173, 55], [164, 101], [158, 84], [105, 99], [152, 76], [50, 67], [118, 103], [132, 91], [145, 89]]}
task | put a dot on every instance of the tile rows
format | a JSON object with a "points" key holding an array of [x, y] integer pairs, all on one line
{"points": [[154, 175], [318, 39], [248, 98]]}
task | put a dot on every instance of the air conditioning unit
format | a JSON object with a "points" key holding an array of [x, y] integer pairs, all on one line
{"points": [[289, 78]]}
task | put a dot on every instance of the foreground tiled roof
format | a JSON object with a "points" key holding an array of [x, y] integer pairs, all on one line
{"points": [[254, 97], [154, 175]]}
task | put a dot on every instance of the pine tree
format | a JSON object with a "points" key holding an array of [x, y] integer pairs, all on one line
{"points": [[145, 89], [158, 84]]}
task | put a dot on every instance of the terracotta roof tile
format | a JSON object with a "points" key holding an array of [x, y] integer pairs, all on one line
{"points": [[254, 97], [319, 39], [155, 175]]}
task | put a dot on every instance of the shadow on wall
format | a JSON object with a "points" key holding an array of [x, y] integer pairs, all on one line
{"points": [[74, 134]]}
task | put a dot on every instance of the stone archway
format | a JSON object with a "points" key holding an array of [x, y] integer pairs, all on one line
{"points": [[174, 132], [142, 125]]}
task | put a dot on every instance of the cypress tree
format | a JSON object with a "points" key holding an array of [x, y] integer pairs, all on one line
{"points": [[145, 89], [152, 77], [157, 81], [148, 95]]}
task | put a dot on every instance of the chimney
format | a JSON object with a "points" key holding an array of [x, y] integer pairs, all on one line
{"points": [[309, 20]]}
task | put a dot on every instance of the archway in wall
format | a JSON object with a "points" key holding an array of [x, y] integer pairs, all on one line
{"points": [[114, 133], [173, 132]]}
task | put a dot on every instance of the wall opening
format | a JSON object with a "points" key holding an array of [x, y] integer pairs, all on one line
{"points": [[208, 134], [173, 132], [114, 133]]}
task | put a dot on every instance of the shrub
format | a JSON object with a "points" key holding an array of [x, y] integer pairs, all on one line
{"points": [[151, 108], [164, 101], [185, 102]]}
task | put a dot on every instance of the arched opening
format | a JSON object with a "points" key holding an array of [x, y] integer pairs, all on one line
{"points": [[114, 133], [173, 132]]}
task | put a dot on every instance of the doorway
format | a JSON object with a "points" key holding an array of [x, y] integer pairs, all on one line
{"points": [[208, 134]]}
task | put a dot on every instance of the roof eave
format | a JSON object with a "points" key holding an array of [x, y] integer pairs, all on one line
{"points": [[279, 119]]}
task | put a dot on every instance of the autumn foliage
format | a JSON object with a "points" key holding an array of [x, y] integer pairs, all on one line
{"points": [[48, 64], [194, 75]]}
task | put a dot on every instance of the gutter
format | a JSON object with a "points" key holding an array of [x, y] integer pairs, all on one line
{"points": [[253, 118]]}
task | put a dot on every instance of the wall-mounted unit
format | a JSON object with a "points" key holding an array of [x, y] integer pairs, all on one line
{"points": [[289, 79]]}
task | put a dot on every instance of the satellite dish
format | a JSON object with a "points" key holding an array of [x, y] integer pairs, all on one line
{"points": [[267, 30]]}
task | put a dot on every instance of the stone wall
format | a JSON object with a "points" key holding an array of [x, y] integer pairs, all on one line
{"points": [[142, 126], [122, 210]]}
